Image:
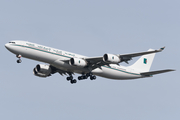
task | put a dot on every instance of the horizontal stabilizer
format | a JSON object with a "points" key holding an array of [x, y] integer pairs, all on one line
{"points": [[156, 72]]}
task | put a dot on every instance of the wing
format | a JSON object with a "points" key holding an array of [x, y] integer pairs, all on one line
{"points": [[61, 72], [95, 62], [142, 53], [156, 72], [127, 57]]}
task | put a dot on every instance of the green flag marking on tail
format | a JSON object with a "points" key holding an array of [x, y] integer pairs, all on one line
{"points": [[145, 61]]}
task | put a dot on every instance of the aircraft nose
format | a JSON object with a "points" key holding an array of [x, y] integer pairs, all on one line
{"points": [[6, 45]]}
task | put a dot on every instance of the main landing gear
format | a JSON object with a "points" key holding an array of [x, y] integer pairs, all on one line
{"points": [[85, 76], [70, 78], [82, 77], [19, 60]]}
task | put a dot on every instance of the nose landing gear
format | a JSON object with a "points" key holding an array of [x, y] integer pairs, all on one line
{"points": [[19, 60]]}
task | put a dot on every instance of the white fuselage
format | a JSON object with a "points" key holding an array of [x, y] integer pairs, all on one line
{"points": [[58, 58]]}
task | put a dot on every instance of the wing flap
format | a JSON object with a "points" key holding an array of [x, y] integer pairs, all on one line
{"points": [[94, 59]]}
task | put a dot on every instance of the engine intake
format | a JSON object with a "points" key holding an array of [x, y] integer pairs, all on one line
{"points": [[110, 58], [77, 62], [42, 70]]}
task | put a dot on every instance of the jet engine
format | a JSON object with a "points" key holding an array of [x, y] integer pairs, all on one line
{"points": [[78, 62], [110, 58], [42, 70]]}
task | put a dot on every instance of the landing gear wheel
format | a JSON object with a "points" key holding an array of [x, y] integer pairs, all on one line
{"points": [[73, 81], [79, 78], [82, 77], [85, 77], [19, 61], [93, 77], [69, 78]]}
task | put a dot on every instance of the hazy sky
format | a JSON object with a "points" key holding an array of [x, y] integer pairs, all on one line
{"points": [[91, 28]]}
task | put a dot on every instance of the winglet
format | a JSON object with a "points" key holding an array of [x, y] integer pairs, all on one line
{"points": [[161, 48]]}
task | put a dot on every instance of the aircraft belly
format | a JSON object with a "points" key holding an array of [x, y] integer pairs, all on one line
{"points": [[116, 74], [66, 67]]}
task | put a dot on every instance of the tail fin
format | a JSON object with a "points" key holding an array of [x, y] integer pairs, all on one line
{"points": [[143, 64]]}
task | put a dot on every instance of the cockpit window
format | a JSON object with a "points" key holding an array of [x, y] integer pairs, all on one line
{"points": [[12, 42]]}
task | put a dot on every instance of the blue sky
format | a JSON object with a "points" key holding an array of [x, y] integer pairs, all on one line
{"points": [[90, 28]]}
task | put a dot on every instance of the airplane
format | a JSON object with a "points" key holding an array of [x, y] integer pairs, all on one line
{"points": [[67, 63]]}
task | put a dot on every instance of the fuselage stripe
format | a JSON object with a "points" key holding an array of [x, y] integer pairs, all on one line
{"points": [[121, 70]]}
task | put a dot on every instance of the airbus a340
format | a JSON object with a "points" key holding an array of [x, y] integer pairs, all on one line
{"points": [[67, 63]]}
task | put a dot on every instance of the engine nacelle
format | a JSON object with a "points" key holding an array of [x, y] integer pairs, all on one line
{"points": [[110, 58], [78, 62], [42, 70]]}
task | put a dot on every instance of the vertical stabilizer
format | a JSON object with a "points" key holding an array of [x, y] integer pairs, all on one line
{"points": [[143, 64]]}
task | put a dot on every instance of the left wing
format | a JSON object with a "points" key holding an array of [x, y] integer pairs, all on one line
{"points": [[127, 57], [142, 53], [96, 62]]}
